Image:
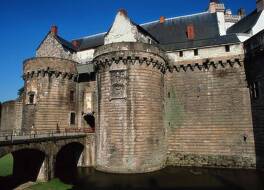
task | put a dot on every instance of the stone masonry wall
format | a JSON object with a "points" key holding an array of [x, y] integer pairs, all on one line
{"points": [[8, 115], [86, 101], [50, 47], [208, 115], [51, 80], [255, 76], [11, 116], [130, 135]]}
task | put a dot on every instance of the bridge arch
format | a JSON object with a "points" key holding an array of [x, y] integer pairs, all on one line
{"points": [[27, 163], [67, 158]]}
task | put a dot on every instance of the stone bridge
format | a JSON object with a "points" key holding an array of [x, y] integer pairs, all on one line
{"points": [[41, 157]]}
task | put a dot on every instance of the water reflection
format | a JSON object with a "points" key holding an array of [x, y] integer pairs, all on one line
{"points": [[168, 178]]}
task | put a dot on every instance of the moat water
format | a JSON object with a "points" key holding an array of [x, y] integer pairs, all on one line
{"points": [[169, 178]]}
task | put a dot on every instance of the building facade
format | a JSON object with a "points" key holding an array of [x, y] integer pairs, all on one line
{"points": [[182, 91]]}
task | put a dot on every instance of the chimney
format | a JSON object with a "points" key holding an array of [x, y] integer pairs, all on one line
{"points": [[216, 6], [75, 43], [123, 12], [228, 12], [241, 12], [162, 19], [190, 32], [260, 5], [54, 30]]}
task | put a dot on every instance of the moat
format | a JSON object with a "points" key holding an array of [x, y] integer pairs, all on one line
{"points": [[168, 178]]}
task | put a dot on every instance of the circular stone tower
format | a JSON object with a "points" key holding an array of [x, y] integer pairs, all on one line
{"points": [[130, 134], [49, 94]]}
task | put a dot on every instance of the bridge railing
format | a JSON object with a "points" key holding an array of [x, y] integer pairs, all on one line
{"points": [[11, 135]]}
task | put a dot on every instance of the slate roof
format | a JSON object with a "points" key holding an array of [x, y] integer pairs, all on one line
{"points": [[174, 30], [220, 40], [91, 41], [246, 24], [65, 43], [171, 34]]}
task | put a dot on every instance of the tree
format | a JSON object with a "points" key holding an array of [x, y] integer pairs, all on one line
{"points": [[20, 91]]}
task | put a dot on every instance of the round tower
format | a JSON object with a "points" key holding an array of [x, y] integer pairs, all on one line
{"points": [[49, 94], [130, 134]]}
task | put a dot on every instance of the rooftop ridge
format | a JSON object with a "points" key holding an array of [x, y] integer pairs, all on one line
{"points": [[90, 36], [172, 18]]}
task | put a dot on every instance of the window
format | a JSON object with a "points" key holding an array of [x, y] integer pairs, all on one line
{"points": [[181, 53], [255, 90], [195, 51], [31, 98], [71, 96], [227, 48], [149, 41], [72, 118]]}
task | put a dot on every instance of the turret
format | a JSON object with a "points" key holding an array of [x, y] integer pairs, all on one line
{"points": [[130, 134], [49, 94]]}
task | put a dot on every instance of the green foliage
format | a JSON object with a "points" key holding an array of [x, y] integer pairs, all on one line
{"points": [[6, 165], [20, 91], [54, 184]]}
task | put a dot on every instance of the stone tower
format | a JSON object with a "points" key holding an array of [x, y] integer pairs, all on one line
{"points": [[130, 134], [50, 90]]}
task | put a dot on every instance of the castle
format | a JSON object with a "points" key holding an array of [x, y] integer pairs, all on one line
{"points": [[184, 91]]}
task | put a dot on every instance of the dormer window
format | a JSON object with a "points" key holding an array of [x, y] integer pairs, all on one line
{"points": [[149, 41]]}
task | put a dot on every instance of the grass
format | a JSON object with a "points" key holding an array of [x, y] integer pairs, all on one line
{"points": [[6, 169], [6, 165], [54, 184]]}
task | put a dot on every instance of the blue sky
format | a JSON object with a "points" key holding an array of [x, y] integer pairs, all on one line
{"points": [[24, 23]]}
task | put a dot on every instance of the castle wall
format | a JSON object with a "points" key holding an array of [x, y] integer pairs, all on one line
{"points": [[208, 115], [130, 136], [8, 115], [255, 76], [86, 101], [206, 53], [51, 81], [11, 115]]}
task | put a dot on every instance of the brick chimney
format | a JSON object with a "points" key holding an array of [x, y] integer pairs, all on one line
{"points": [[123, 12], [241, 12], [162, 19], [260, 5], [75, 43], [216, 6], [190, 32], [54, 30]]}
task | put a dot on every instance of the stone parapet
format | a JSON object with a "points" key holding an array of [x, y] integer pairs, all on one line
{"points": [[40, 64]]}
